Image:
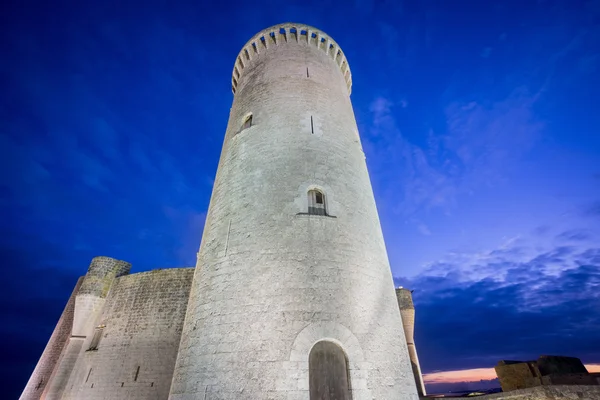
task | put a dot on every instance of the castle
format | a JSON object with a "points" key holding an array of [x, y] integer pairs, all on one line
{"points": [[292, 296]]}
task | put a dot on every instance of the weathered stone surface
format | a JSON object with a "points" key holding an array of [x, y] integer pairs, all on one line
{"points": [[574, 392], [142, 318], [59, 339], [271, 279], [546, 370]]}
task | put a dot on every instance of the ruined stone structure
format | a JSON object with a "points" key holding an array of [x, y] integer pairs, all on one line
{"points": [[407, 311], [292, 295], [546, 370]]}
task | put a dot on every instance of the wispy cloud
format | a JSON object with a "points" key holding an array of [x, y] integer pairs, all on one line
{"points": [[508, 292], [480, 148], [575, 235], [464, 375], [470, 379]]}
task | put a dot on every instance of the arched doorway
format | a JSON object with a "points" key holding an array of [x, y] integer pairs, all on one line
{"points": [[328, 372]]}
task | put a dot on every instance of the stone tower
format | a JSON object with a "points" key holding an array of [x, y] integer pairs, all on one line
{"points": [[407, 310], [293, 292]]}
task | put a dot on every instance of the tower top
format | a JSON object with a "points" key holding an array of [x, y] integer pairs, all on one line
{"points": [[284, 33], [404, 296]]}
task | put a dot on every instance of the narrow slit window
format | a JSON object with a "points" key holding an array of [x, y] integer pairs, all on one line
{"points": [[312, 125], [137, 373], [247, 122], [307, 74], [316, 202], [96, 338]]}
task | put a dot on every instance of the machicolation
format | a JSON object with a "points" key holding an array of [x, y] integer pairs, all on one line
{"points": [[284, 33]]}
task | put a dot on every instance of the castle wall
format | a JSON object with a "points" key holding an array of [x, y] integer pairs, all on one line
{"points": [[89, 301], [271, 280], [517, 375], [62, 372], [51, 355], [571, 392], [546, 370], [142, 318]]}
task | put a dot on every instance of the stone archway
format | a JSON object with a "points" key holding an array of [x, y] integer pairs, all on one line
{"points": [[337, 334]]}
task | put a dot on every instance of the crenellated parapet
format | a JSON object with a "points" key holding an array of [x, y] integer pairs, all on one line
{"points": [[283, 34]]}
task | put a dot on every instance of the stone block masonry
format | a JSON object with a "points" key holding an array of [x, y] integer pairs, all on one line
{"points": [[273, 278], [141, 327], [559, 392], [292, 259]]}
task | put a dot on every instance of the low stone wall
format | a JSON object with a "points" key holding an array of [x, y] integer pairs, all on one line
{"points": [[575, 392]]}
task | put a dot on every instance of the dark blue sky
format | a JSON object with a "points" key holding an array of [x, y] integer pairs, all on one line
{"points": [[479, 119]]}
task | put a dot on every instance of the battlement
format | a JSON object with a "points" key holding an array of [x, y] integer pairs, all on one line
{"points": [[280, 34]]}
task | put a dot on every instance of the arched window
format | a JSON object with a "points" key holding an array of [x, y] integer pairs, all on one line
{"points": [[328, 372], [247, 122], [316, 202]]}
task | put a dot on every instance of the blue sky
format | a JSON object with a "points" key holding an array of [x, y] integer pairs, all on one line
{"points": [[479, 120]]}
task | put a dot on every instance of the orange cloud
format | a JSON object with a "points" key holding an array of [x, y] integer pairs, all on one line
{"points": [[465, 375], [593, 367], [474, 375]]}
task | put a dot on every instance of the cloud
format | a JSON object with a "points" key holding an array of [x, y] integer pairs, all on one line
{"points": [[481, 147], [592, 209], [424, 230], [575, 235], [466, 375], [490, 138], [403, 166], [513, 302]]}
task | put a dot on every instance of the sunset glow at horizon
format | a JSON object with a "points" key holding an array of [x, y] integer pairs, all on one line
{"points": [[475, 374]]}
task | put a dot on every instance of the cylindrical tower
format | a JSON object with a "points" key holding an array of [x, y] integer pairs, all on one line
{"points": [[292, 281], [407, 310]]}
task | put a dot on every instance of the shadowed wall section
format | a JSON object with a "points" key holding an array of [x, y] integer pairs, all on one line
{"points": [[89, 301], [59, 339]]}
